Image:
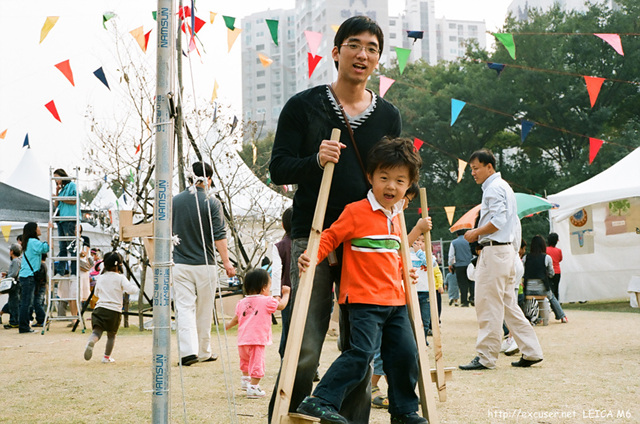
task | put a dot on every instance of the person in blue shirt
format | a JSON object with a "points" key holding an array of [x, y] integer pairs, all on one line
{"points": [[66, 208], [32, 249]]}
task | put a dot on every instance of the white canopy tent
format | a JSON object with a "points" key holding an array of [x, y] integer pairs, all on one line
{"points": [[598, 224], [30, 176]]}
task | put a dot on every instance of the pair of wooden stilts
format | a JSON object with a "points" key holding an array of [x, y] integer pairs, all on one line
{"points": [[281, 414]]}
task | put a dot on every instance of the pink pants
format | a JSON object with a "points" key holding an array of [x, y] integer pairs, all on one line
{"points": [[252, 359]]}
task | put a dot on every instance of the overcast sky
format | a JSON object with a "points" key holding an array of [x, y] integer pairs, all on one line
{"points": [[29, 80]]}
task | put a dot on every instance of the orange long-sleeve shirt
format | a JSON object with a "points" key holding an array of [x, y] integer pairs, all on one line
{"points": [[371, 264]]}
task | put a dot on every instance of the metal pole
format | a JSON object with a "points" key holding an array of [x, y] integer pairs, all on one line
{"points": [[162, 215]]}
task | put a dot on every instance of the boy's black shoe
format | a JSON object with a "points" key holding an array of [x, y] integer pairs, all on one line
{"points": [[314, 407], [189, 360], [525, 363], [10, 326], [410, 418]]}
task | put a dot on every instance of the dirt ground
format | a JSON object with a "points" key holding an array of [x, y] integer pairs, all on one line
{"points": [[590, 374]]}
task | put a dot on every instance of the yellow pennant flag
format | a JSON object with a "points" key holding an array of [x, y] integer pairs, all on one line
{"points": [[214, 96], [232, 36], [138, 34], [265, 60], [461, 166], [212, 16], [255, 153], [6, 232], [450, 210], [335, 28], [48, 24]]}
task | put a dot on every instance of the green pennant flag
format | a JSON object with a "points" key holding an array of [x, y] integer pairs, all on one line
{"points": [[131, 177], [155, 15], [268, 177], [105, 17], [229, 21], [273, 29], [507, 41], [403, 56]]}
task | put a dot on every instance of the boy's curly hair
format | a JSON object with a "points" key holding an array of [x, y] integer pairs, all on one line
{"points": [[394, 152]]}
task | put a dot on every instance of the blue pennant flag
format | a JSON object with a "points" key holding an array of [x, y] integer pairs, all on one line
{"points": [[498, 67], [99, 73], [26, 141], [456, 108], [526, 129]]}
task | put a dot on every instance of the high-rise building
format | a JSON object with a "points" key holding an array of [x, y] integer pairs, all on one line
{"points": [[520, 8], [454, 35]]}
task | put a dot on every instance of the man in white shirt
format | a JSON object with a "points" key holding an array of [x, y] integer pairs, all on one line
{"points": [[499, 233]]}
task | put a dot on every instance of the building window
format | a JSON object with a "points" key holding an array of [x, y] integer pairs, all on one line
{"points": [[392, 35], [259, 86], [453, 38], [453, 26], [392, 22], [260, 47], [260, 73], [261, 98]]}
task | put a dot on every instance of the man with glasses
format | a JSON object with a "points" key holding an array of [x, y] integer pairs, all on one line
{"points": [[301, 150]]}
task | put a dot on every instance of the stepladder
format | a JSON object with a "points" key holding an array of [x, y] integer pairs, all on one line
{"points": [[69, 252], [284, 389]]}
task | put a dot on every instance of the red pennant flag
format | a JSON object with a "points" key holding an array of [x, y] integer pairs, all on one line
{"points": [[594, 147], [198, 25], [313, 62], [593, 87], [51, 107], [184, 12], [417, 143], [65, 68], [138, 149], [146, 40]]}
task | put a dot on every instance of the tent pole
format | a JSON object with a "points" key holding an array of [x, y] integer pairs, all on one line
{"points": [[162, 215]]}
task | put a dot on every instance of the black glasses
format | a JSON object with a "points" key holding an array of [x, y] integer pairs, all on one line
{"points": [[357, 47]]}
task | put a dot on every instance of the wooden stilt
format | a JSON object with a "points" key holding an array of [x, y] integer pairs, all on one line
{"points": [[301, 307], [435, 320], [427, 400]]}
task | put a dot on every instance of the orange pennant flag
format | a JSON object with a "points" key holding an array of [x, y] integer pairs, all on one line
{"points": [[593, 87], [461, 167], [138, 34], [4, 134], [65, 68], [214, 96], [594, 147], [450, 211], [51, 107], [48, 24], [265, 60], [232, 36], [212, 16]]}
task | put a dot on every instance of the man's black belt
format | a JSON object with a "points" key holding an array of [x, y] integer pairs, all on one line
{"points": [[493, 243]]}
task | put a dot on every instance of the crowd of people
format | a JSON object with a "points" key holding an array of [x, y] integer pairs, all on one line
{"points": [[358, 264]]}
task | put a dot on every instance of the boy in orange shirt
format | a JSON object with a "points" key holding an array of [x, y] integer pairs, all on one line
{"points": [[371, 289]]}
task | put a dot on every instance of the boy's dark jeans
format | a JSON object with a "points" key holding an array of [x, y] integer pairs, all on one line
{"points": [[376, 327]]}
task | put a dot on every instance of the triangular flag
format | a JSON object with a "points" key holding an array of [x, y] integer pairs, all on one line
{"points": [[146, 40], [48, 24], [450, 211], [313, 40], [212, 16], [65, 68], [403, 56], [255, 152], [456, 108], [335, 28], [593, 87], [154, 15], [385, 83], [184, 12], [230, 22], [594, 147], [232, 36], [26, 141], [138, 34], [234, 123], [313, 62], [265, 60], [99, 73], [613, 40], [461, 167], [273, 29], [3, 134], [507, 41], [131, 177], [105, 17], [138, 148], [498, 67], [417, 143], [527, 126], [214, 96], [6, 232], [51, 107]]}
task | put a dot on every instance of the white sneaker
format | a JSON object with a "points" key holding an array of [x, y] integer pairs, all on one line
{"points": [[255, 392], [512, 349], [108, 360], [505, 344], [244, 382]]}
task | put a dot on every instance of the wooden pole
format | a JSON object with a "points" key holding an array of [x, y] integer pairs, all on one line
{"points": [[301, 305], [427, 400], [435, 321]]}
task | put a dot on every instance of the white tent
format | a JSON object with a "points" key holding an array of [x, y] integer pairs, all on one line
{"points": [[598, 223], [105, 199], [30, 176]]}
